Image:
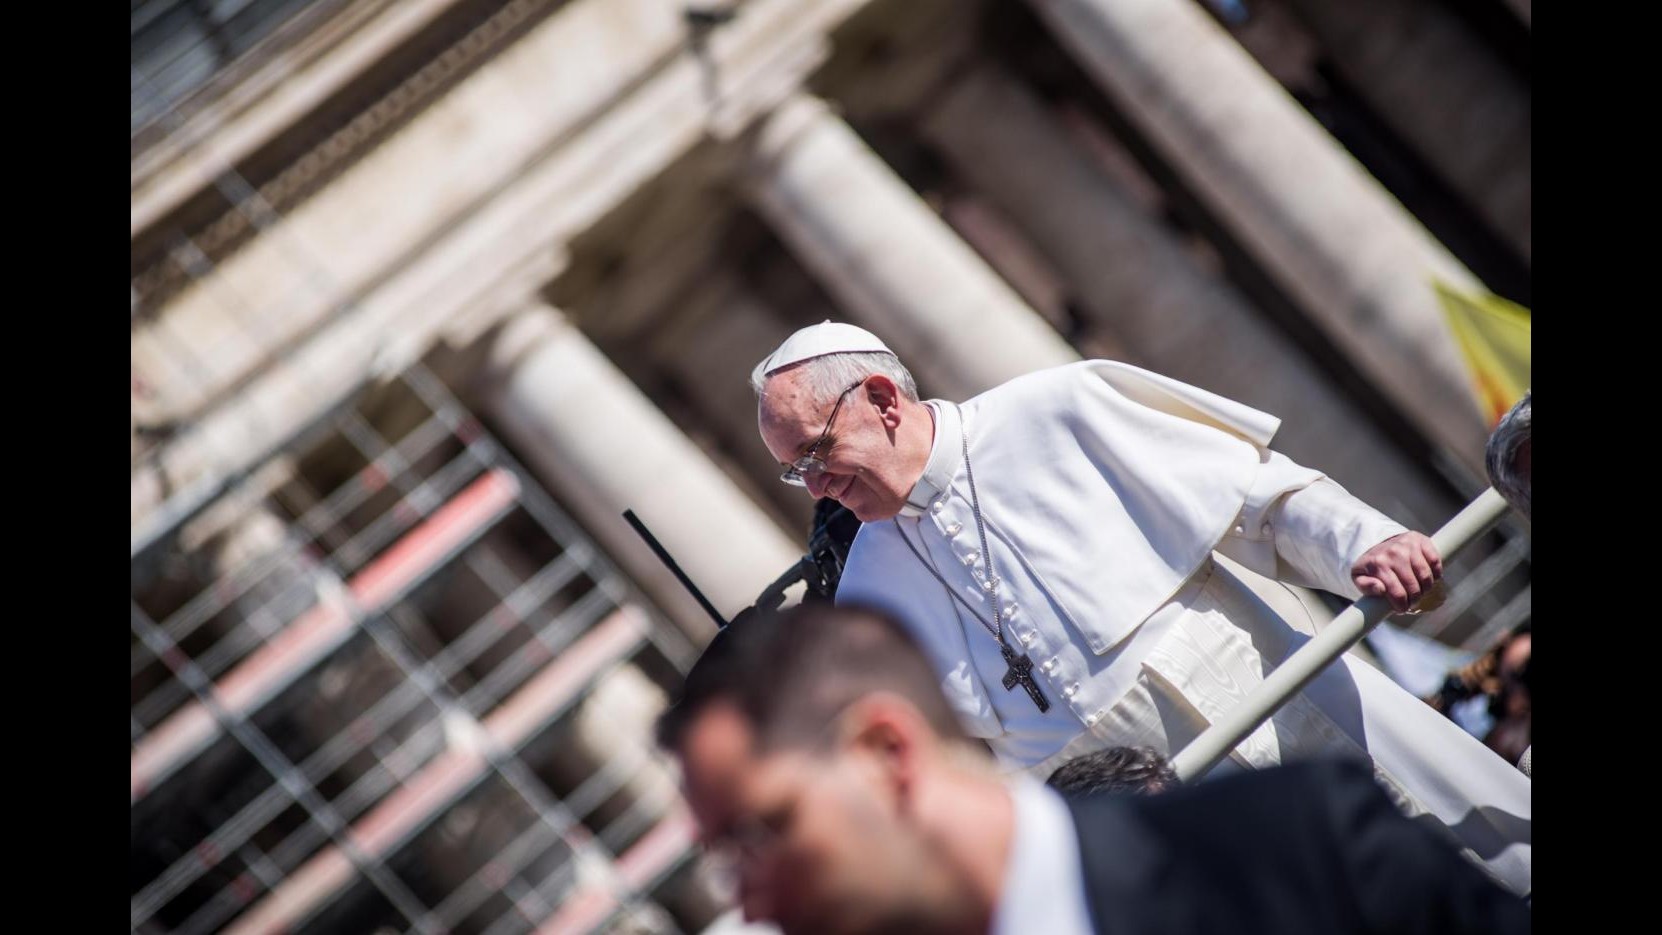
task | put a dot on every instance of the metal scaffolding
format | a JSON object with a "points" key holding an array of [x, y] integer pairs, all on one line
{"points": [[382, 682], [360, 724]]}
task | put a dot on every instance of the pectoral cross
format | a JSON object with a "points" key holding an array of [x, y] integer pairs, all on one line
{"points": [[1020, 672]]}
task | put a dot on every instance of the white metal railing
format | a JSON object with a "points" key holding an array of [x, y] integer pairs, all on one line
{"points": [[1346, 630]]}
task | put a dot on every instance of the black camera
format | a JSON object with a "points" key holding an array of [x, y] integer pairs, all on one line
{"points": [[829, 538]]}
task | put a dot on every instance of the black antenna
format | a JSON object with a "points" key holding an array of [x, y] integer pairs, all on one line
{"points": [[669, 563]]}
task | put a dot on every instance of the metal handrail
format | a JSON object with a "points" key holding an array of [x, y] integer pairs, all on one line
{"points": [[1346, 630]]}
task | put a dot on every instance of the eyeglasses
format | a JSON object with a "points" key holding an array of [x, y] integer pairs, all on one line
{"points": [[749, 838], [810, 465], [748, 843]]}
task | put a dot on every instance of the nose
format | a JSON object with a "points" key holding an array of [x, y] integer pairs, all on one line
{"points": [[755, 900], [817, 483]]}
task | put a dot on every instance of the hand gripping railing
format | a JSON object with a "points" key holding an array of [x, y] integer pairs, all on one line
{"points": [[1323, 649]]}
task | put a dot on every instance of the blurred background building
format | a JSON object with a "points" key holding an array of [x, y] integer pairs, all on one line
{"points": [[425, 293]]}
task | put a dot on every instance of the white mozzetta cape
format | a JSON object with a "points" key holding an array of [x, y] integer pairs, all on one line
{"points": [[1103, 486]]}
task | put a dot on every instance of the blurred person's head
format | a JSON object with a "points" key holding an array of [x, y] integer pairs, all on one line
{"points": [[1510, 703], [820, 758], [1500, 673], [837, 396], [1507, 456], [1512, 696], [1137, 770]]}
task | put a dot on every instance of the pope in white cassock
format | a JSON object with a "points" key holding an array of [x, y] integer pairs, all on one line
{"points": [[1053, 544]]}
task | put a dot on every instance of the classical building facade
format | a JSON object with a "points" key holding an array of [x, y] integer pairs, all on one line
{"points": [[426, 293]]}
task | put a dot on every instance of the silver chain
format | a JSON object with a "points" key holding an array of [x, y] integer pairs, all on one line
{"points": [[981, 529], [996, 628], [949, 590]]}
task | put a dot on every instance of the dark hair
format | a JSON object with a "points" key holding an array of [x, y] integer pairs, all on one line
{"points": [[790, 673], [1500, 455], [1116, 769]]}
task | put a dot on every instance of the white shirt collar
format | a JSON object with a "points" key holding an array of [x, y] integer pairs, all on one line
{"points": [[945, 454], [1044, 884]]}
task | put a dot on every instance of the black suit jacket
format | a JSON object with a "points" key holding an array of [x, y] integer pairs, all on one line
{"points": [[1311, 847]]}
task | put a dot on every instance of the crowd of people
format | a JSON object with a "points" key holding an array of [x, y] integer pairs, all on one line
{"points": [[1032, 620]]}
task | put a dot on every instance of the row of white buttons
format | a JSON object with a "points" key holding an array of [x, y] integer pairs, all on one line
{"points": [[952, 530], [1069, 690]]}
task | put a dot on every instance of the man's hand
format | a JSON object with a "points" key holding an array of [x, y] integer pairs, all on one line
{"points": [[1401, 568]]}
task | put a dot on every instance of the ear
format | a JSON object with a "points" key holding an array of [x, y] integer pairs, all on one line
{"points": [[883, 395], [888, 735]]}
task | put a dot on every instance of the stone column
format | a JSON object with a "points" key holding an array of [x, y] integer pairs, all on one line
{"points": [[1349, 253], [611, 730], [595, 439], [709, 346], [1132, 276], [1452, 99], [895, 266]]}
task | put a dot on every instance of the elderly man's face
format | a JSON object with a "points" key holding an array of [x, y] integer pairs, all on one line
{"points": [[865, 470], [813, 844]]}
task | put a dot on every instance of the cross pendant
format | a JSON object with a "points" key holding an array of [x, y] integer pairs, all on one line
{"points": [[1020, 672]]}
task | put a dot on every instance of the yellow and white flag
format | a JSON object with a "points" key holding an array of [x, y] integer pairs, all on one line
{"points": [[1494, 339]]}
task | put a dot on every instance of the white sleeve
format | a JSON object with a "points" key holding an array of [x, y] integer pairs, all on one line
{"points": [[1300, 527]]}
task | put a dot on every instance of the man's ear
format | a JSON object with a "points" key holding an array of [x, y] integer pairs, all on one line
{"points": [[883, 395], [889, 736]]}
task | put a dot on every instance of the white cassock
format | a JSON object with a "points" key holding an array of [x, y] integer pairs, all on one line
{"points": [[1105, 491]]}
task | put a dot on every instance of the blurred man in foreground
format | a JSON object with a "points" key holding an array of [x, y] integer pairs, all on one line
{"points": [[821, 761]]}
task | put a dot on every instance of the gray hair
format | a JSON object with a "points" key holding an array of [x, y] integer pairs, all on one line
{"points": [[827, 376], [1500, 457]]}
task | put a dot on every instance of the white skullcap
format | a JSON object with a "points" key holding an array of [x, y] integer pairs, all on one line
{"points": [[827, 337]]}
